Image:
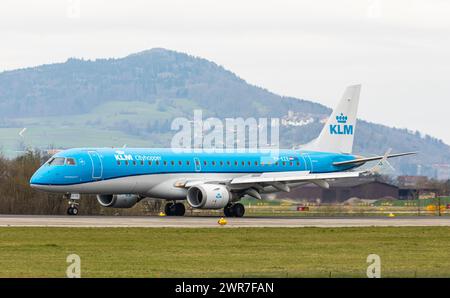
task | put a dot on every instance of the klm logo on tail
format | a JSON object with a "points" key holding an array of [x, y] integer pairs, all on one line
{"points": [[341, 128]]}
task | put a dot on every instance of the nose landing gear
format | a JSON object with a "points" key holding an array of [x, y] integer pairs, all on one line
{"points": [[174, 209], [234, 210], [73, 203]]}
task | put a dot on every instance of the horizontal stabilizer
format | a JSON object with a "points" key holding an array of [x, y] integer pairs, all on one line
{"points": [[363, 160]]}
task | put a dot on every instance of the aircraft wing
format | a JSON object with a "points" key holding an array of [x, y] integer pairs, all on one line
{"points": [[276, 179], [290, 177]]}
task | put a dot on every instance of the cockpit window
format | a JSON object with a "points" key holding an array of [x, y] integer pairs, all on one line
{"points": [[70, 162], [56, 161]]}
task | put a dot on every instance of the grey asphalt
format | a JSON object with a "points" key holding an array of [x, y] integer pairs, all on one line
{"points": [[211, 222]]}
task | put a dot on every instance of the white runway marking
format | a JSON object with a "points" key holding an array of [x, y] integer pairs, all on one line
{"points": [[211, 222]]}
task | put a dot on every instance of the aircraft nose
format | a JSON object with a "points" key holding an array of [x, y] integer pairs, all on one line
{"points": [[40, 181], [34, 179], [38, 178]]}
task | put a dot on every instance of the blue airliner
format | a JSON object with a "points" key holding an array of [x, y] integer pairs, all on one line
{"points": [[121, 177]]}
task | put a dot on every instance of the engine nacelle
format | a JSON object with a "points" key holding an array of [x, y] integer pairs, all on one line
{"points": [[208, 196], [118, 201]]}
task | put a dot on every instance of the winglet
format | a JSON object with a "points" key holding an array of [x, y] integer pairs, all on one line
{"points": [[382, 163]]}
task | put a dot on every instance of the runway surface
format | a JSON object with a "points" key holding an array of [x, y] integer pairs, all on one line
{"points": [[211, 222]]}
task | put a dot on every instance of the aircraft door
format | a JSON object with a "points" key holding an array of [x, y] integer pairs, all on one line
{"points": [[97, 166], [197, 164], [308, 162]]}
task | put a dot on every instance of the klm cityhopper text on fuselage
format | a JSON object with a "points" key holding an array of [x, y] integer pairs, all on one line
{"points": [[94, 164]]}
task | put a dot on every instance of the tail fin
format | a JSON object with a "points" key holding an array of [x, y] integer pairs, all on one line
{"points": [[338, 133]]}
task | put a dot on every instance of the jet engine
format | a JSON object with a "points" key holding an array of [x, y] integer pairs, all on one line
{"points": [[118, 201], [208, 196]]}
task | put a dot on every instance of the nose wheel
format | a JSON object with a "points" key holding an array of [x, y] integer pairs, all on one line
{"points": [[72, 210], [234, 210], [174, 209], [73, 203]]}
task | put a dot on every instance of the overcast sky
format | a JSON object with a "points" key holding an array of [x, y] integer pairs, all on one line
{"points": [[398, 49]]}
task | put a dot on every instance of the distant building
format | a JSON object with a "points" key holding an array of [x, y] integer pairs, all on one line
{"points": [[371, 188], [406, 181], [442, 171], [414, 187], [295, 119]]}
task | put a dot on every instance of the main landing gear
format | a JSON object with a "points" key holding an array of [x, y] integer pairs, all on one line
{"points": [[174, 209], [234, 210]]}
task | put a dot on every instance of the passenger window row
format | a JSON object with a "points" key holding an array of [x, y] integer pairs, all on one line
{"points": [[205, 163]]}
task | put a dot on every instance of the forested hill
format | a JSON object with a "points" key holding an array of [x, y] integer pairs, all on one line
{"points": [[76, 86], [133, 99]]}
